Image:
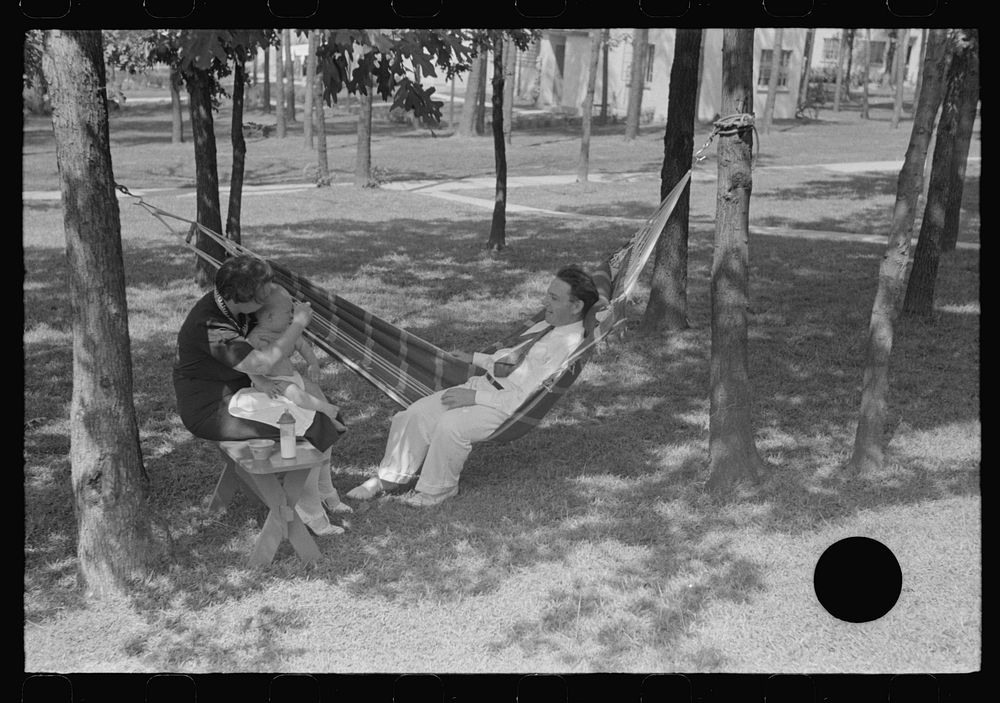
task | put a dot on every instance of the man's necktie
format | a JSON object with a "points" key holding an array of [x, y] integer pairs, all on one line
{"points": [[510, 361]]}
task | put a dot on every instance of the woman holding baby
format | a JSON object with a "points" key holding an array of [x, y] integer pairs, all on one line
{"points": [[214, 364]]}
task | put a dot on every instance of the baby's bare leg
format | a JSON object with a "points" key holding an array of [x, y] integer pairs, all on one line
{"points": [[313, 401]]}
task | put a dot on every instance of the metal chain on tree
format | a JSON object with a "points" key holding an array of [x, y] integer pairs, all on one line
{"points": [[730, 124]]}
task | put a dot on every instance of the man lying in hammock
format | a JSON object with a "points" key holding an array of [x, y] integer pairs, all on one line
{"points": [[433, 437]]}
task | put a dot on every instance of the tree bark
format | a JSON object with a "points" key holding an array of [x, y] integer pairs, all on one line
{"points": [[807, 52], [900, 72], [290, 73], [279, 80], [307, 113], [480, 121], [114, 544], [868, 451], [509, 64], [583, 166], [640, 39], [266, 93], [867, 74], [963, 138], [919, 298], [498, 226], [206, 172], [772, 80], [239, 153], [176, 114], [840, 70], [415, 121], [322, 164], [363, 161], [667, 306], [849, 33], [732, 452], [467, 119]]}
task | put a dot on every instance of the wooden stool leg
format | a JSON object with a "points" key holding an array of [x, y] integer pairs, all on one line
{"points": [[226, 487], [298, 534], [274, 529]]}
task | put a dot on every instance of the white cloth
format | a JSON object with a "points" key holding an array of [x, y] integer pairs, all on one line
{"points": [[542, 360], [255, 405], [429, 435]]}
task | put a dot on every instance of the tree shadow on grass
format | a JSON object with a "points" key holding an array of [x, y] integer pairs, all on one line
{"points": [[604, 501]]}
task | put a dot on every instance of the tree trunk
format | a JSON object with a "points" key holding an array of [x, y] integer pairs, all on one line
{"points": [[667, 306], [176, 114], [290, 73], [807, 52], [323, 166], [451, 106], [239, 152], [850, 61], [307, 113], [732, 452], [415, 121], [498, 227], [919, 298], [583, 166], [888, 66], [206, 172], [772, 80], [640, 38], [480, 121], [605, 36], [363, 161], [467, 120], [920, 67], [963, 137], [254, 77], [867, 74], [279, 81], [900, 72], [509, 64], [114, 544], [266, 97], [840, 70], [867, 453]]}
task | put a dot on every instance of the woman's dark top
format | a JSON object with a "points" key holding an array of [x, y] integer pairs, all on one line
{"points": [[209, 345]]}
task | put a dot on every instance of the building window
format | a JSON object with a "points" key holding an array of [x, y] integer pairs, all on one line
{"points": [[647, 67], [876, 53], [831, 48], [766, 59]]}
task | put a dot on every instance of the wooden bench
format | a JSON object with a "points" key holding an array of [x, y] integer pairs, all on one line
{"points": [[278, 483]]}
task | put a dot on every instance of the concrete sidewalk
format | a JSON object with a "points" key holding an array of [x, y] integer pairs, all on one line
{"points": [[450, 190]]}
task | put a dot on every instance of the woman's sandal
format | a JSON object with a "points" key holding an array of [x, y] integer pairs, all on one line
{"points": [[321, 526], [336, 506]]}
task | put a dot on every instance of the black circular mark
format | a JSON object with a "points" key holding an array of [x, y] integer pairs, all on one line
{"points": [[857, 579]]}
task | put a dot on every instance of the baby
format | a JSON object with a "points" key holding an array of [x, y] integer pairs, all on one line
{"points": [[273, 319]]}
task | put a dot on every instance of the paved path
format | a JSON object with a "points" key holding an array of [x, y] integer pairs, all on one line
{"points": [[451, 190]]}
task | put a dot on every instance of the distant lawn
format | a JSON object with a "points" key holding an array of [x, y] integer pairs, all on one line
{"points": [[588, 545]]}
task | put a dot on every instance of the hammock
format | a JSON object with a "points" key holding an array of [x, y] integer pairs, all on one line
{"points": [[406, 368]]}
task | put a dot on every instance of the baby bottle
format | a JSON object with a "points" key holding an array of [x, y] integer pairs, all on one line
{"points": [[286, 424]]}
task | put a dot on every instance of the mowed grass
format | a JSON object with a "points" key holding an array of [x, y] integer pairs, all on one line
{"points": [[589, 544]]}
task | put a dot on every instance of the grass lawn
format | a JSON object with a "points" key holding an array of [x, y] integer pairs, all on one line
{"points": [[588, 545]]}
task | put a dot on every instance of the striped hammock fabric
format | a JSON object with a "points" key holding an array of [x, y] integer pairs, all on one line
{"points": [[406, 368]]}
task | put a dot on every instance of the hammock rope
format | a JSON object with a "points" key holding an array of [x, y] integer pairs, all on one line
{"points": [[405, 367]]}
